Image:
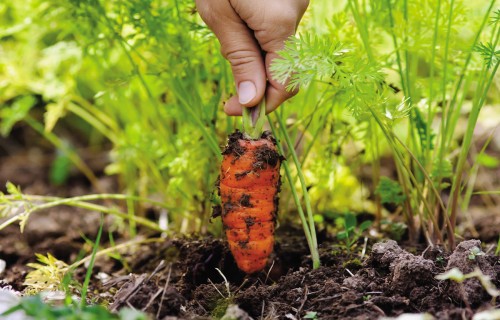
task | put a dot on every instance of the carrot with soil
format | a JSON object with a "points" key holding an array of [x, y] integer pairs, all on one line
{"points": [[249, 186]]}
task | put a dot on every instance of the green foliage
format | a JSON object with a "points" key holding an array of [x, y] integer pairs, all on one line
{"points": [[350, 230], [352, 263], [394, 66], [489, 53], [220, 307], [487, 161], [440, 260], [474, 252], [16, 112], [35, 308], [142, 74], [13, 202], [47, 275], [397, 230], [425, 134], [51, 274], [309, 58], [390, 191], [311, 315], [60, 168], [495, 18], [90, 267], [442, 168]]}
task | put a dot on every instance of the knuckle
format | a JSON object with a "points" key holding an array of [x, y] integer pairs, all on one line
{"points": [[240, 58]]}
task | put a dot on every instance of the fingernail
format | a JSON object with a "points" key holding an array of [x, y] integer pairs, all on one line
{"points": [[246, 91]]}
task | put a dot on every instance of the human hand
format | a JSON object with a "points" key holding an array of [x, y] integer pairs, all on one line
{"points": [[251, 32]]}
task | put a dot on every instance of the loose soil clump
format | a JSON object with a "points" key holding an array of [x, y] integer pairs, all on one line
{"points": [[464, 258]]}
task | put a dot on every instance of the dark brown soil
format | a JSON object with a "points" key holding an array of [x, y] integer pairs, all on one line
{"points": [[390, 282]]}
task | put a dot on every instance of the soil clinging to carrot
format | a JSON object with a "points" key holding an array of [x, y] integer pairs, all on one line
{"points": [[248, 186]]}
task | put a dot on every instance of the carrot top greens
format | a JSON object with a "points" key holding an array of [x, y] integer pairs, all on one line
{"points": [[254, 119]]}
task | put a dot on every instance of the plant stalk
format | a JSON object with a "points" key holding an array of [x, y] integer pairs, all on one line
{"points": [[254, 119], [88, 274], [471, 124], [80, 202], [311, 241], [253, 122], [310, 216]]}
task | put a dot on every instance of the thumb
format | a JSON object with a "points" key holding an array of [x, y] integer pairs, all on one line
{"points": [[241, 49], [247, 64]]}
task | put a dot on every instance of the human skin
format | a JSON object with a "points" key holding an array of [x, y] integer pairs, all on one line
{"points": [[251, 32]]}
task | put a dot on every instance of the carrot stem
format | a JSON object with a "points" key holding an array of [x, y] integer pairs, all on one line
{"points": [[307, 222], [254, 119]]}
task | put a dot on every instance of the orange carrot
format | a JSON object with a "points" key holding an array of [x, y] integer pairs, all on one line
{"points": [[249, 187]]}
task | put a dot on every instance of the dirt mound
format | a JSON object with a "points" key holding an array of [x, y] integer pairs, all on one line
{"points": [[390, 282], [467, 257]]}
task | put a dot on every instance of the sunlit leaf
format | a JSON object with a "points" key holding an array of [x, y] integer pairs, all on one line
{"points": [[487, 161], [454, 274], [349, 221], [10, 115], [54, 112]]}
